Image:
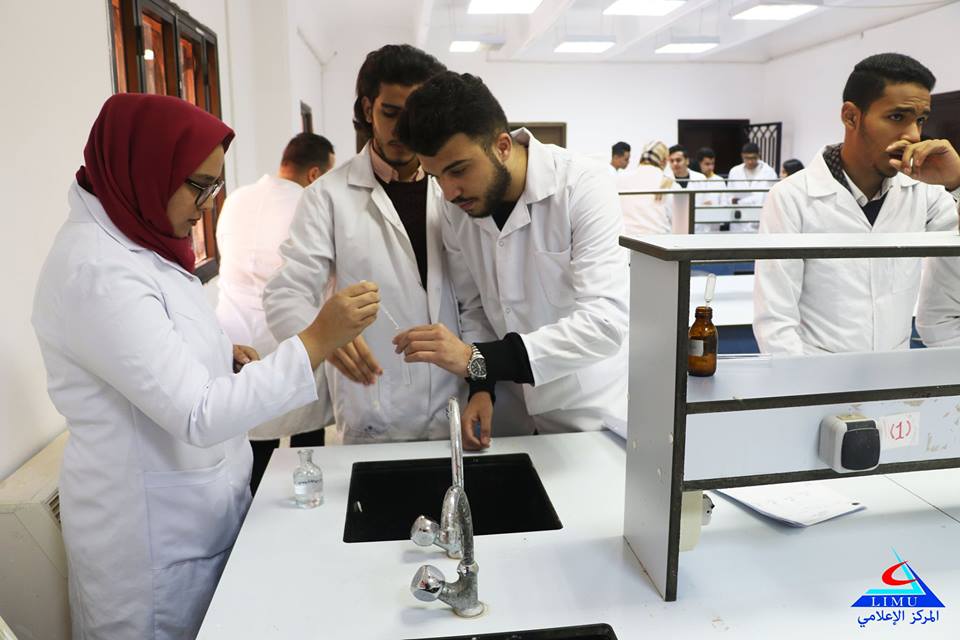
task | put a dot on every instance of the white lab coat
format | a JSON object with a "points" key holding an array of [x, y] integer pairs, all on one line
{"points": [[938, 309], [646, 214], [718, 183], [254, 222], [155, 477], [680, 202], [347, 228], [557, 276], [841, 305], [742, 178]]}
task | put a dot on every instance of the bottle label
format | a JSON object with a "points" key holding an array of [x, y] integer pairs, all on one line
{"points": [[696, 348], [308, 486]]}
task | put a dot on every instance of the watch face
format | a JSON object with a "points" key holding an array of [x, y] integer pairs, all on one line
{"points": [[477, 367]]}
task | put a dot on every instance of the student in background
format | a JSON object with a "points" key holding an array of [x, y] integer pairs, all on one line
{"points": [[679, 167], [790, 167], [254, 222], [752, 173], [619, 157], [707, 161], [646, 214]]}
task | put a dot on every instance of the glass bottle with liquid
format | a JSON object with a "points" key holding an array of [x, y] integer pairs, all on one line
{"points": [[307, 481], [702, 349]]}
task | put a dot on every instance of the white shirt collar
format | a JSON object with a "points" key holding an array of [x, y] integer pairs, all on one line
{"points": [[859, 196]]}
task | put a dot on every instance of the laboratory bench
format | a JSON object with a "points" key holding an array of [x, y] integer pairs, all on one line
{"points": [[291, 575]]}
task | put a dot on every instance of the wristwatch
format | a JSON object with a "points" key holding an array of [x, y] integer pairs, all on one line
{"points": [[476, 365]]}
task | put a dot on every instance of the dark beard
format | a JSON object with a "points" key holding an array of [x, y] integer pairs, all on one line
{"points": [[496, 191], [396, 164]]}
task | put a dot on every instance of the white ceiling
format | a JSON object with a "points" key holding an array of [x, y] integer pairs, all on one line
{"points": [[532, 38]]}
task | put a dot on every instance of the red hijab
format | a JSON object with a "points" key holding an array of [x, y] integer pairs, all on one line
{"points": [[141, 150]]}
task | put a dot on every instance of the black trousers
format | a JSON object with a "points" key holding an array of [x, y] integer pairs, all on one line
{"points": [[263, 449]]}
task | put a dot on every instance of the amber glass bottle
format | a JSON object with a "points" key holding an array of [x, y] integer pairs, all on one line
{"points": [[702, 351]]}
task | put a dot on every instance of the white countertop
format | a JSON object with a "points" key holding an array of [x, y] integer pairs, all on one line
{"points": [[291, 576]]}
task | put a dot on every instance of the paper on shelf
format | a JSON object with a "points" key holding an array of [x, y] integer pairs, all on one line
{"points": [[799, 504]]}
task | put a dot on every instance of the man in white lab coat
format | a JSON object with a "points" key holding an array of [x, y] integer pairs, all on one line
{"points": [[707, 161], [832, 306], [255, 220], [752, 173], [619, 158], [678, 170], [531, 232], [377, 218]]}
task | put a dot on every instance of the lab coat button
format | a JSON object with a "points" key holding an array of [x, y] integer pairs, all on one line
{"points": [[507, 310], [500, 243]]}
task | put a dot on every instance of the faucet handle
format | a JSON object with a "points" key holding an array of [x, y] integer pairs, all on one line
{"points": [[424, 531], [427, 583]]}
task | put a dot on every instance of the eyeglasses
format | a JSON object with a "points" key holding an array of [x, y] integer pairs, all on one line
{"points": [[205, 191]]}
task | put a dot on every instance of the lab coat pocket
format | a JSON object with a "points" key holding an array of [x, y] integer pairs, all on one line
{"points": [[554, 270], [191, 514], [193, 518]]}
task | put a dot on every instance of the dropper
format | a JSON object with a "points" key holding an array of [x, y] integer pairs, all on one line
{"points": [[711, 286]]}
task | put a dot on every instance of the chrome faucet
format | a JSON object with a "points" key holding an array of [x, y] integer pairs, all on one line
{"points": [[447, 535], [454, 534]]}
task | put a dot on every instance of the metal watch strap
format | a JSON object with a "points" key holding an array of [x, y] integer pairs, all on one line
{"points": [[475, 355]]}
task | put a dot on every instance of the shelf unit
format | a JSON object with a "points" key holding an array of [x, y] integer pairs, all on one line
{"points": [[756, 421], [692, 208]]}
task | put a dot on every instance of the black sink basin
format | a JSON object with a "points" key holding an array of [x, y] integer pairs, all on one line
{"points": [[505, 492], [589, 632]]}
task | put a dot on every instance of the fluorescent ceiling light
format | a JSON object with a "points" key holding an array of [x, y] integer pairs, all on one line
{"points": [[687, 47], [464, 46], [642, 7], [775, 12], [503, 6], [584, 46]]}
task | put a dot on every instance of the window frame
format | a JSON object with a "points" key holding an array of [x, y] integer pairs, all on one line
{"points": [[205, 43]]}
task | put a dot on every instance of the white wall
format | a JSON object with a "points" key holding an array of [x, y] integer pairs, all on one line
{"points": [[804, 90], [601, 104], [43, 129]]}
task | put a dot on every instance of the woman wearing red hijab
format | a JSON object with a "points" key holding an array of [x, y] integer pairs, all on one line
{"points": [[154, 481]]}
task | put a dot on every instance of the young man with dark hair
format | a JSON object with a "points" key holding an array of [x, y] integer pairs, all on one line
{"points": [[377, 218], [752, 173], [707, 161], [679, 172], [832, 306], [531, 232], [619, 157], [679, 169], [254, 222]]}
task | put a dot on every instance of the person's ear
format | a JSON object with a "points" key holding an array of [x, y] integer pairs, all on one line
{"points": [[850, 115], [367, 109], [313, 173], [503, 146]]}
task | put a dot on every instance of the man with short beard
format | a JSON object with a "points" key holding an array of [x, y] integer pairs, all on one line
{"points": [[376, 218], [531, 233], [866, 304]]}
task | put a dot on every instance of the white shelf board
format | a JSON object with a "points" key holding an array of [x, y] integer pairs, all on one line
{"points": [[797, 377], [750, 246]]}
